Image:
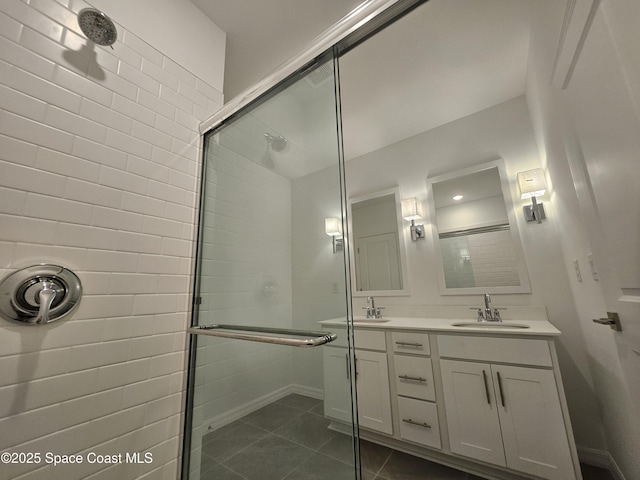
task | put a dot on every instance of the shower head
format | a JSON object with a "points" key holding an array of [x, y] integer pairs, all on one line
{"points": [[277, 142], [97, 27]]}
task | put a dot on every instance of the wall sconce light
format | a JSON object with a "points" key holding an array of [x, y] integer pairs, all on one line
{"points": [[333, 228], [532, 184], [412, 211]]}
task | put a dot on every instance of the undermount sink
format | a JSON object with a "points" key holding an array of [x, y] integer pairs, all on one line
{"points": [[489, 325]]}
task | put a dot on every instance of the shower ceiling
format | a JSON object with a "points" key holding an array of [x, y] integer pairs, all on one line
{"points": [[444, 61]]}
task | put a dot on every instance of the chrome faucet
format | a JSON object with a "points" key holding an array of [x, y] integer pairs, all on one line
{"points": [[372, 310], [488, 315], [487, 308]]}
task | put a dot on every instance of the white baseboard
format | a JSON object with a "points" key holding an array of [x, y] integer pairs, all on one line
{"points": [[600, 458], [237, 413]]}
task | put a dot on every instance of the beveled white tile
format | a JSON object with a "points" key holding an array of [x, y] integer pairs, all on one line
{"points": [[12, 201], [145, 391], [83, 357], [115, 219], [69, 234], [11, 29], [82, 86], [101, 154], [138, 243], [92, 193], [35, 132], [22, 104], [147, 169], [111, 261], [67, 165], [142, 204], [57, 209], [139, 78], [151, 135], [16, 151], [75, 124], [158, 344], [128, 143], [128, 327], [23, 58], [133, 110], [122, 180], [106, 116], [24, 229]]}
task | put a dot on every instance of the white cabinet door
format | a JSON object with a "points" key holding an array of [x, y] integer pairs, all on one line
{"points": [[374, 400], [533, 428], [337, 389], [472, 412]]}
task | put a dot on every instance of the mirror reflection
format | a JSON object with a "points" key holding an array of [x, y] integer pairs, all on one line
{"points": [[478, 248], [376, 244]]}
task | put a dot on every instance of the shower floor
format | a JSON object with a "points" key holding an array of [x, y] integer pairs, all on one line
{"points": [[289, 439]]}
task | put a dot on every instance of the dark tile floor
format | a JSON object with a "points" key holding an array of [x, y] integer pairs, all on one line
{"points": [[289, 440]]}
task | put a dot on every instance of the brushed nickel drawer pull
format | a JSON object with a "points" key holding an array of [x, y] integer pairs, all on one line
{"points": [[486, 386], [416, 379], [418, 424], [408, 344], [500, 388]]}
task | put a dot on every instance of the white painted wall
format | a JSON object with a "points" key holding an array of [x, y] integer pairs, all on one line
{"points": [[318, 275], [98, 163], [503, 131]]}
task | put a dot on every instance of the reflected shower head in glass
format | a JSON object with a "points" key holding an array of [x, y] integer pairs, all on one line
{"points": [[277, 142]]}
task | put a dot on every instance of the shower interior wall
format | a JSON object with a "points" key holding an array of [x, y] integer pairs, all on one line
{"points": [[99, 152]]}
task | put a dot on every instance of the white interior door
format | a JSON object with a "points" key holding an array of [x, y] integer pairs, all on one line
{"points": [[378, 262], [602, 98]]}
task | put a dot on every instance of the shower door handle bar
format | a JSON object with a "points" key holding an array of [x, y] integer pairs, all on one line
{"points": [[266, 335]]}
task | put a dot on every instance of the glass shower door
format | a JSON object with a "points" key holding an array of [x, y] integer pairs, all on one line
{"points": [[265, 352]]}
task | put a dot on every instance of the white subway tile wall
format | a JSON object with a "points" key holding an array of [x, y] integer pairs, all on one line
{"points": [[99, 155]]}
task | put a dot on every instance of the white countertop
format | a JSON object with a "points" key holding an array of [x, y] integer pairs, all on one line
{"points": [[446, 325]]}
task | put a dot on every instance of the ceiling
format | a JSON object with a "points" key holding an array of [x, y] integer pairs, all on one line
{"points": [[444, 61], [262, 34]]}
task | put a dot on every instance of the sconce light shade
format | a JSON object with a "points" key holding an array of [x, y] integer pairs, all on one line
{"points": [[532, 183], [411, 209], [333, 228]]}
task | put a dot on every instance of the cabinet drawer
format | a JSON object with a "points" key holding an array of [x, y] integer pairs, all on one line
{"points": [[419, 422], [414, 377], [370, 339], [493, 349], [410, 342]]}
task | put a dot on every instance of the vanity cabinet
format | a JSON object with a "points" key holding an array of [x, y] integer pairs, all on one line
{"points": [[506, 415], [490, 403], [415, 389], [372, 381]]}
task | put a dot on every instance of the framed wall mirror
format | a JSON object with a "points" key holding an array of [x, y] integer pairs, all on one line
{"points": [[475, 232], [378, 263]]}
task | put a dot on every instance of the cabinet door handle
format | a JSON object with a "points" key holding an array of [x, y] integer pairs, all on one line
{"points": [[346, 363], [408, 344], [419, 424], [415, 379], [486, 386], [500, 388]]}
